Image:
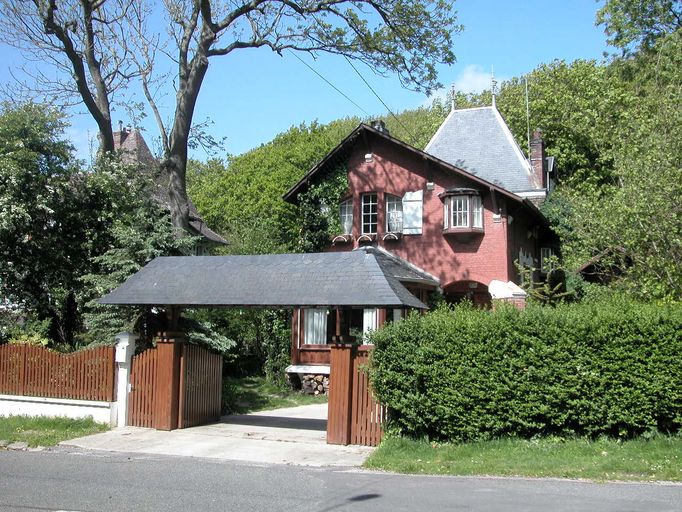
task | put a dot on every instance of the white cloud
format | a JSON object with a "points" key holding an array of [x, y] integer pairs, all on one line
{"points": [[472, 79]]}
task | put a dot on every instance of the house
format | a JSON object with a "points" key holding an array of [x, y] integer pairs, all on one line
{"points": [[134, 150], [459, 215]]}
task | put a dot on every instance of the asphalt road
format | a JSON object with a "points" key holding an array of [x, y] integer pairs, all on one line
{"points": [[95, 481]]}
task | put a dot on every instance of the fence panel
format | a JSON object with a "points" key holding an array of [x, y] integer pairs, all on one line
{"points": [[367, 414], [30, 370], [201, 375], [141, 397]]}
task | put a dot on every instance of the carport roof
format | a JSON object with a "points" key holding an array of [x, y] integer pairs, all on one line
{"points": [[361, 278]]}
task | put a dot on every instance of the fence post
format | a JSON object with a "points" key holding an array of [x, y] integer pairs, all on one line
{"points": [[340, 394], [167, 386], [125, 348]]}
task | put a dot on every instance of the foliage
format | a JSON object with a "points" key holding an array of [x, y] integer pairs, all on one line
{"points": [[656, 458], [318, 208], [637, 24], [140, 231], [243, 198], [601, 368], [54, 217], [43, 431]]}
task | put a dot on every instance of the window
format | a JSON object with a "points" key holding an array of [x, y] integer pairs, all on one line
{"points": [[346, 216], [463, 211], [369, 323], [315, 326], [546, 259], [394, 214], [369, 214]]}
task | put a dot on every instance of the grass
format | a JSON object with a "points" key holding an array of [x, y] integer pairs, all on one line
{"points": [[250, 394], [659, 458], [42, 431]]}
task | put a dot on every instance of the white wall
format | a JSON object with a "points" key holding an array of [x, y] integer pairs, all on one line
{"points": [[101, 412]]}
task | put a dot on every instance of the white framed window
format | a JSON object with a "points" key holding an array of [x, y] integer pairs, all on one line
{"points": [[546, 263], [369, 214], [346, 216], [315, 326], [463, 211], [394, 214]]}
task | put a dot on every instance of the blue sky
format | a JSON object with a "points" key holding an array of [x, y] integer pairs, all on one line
{"points": [[252, 95]]}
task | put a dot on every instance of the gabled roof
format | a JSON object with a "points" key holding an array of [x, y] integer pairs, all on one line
{"points": [[356, 278], [478, 141], [342, 150]]}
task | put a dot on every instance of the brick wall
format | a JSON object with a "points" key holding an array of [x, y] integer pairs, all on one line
{"points": [[478, 258]]}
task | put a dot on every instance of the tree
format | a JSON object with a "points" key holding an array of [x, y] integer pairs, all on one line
{"points": [[638, 24], [404, 37], [86, 43], [53, 217]]}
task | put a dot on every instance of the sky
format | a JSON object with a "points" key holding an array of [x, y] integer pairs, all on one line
{"points": [[252, 95]]}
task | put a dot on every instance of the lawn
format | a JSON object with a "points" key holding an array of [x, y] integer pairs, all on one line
{"points": [[659, 458], [250, 394], [42, 431]]}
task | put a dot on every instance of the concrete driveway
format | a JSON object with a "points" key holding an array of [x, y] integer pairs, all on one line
{"points": [[295, 435]]}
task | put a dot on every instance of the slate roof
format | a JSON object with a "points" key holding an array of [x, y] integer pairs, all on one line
{"points": [[478, 141], [357, 278]]}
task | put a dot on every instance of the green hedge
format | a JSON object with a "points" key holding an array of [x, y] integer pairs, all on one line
{"points": [[612, 368]]}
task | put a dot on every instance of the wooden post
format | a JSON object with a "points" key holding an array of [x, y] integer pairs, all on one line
{"points": [[167, 389], [340, 394]]}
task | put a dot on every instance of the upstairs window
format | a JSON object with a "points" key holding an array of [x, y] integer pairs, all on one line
{"points": [[369, 214], [546, 259], [394, 214], [462, 209], [346, 216]]}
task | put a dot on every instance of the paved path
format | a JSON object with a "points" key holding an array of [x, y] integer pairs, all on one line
{"points": [[107, 482], [295, 435]]}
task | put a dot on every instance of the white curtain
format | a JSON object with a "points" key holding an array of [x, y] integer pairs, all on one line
{"points": [[315, 328], [369, 322]]}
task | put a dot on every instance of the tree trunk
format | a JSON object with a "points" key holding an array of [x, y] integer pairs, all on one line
{"points": [[174, 166]]}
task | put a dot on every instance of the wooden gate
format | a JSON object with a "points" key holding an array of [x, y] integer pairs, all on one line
{"points": [[354, 416], [201, 377], [174, 385]]}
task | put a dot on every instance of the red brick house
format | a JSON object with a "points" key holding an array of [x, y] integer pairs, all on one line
{"points": [[459, 214]]}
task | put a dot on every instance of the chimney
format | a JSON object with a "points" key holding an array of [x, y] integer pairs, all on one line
{"points": [[537, 158], [379, 126]]}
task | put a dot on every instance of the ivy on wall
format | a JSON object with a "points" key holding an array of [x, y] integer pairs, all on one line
{"points": [[319, 212]]}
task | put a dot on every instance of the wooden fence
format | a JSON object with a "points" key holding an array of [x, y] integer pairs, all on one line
{"points": [[30, 370], [354, 416]]}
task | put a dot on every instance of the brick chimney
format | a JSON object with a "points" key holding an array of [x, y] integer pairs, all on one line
{"points": [[379, 126], [537, 158]]}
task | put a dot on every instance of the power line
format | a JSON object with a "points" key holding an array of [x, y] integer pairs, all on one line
{"points": [[414, 139], [328, 82]]}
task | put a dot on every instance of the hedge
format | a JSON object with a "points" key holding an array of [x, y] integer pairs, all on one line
{"points": [[610, 368]]}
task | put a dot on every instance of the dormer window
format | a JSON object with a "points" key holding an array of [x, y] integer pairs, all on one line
{"points": [[346, 216], [462, 211]]}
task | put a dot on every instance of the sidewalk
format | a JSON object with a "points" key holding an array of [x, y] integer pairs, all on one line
{"points": [[295, 435]]}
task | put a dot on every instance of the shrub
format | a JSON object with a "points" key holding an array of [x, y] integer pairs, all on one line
{"points": [[611, 367]]}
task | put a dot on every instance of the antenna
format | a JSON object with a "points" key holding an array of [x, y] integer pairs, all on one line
{"points": [[452, 102], [493, 84], [525, 78]]}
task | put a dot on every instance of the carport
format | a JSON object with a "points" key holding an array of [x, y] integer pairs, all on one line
{"points": [[176, 397]]}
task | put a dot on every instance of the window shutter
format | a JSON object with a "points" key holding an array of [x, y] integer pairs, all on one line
{"points": [[412, 212]]}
